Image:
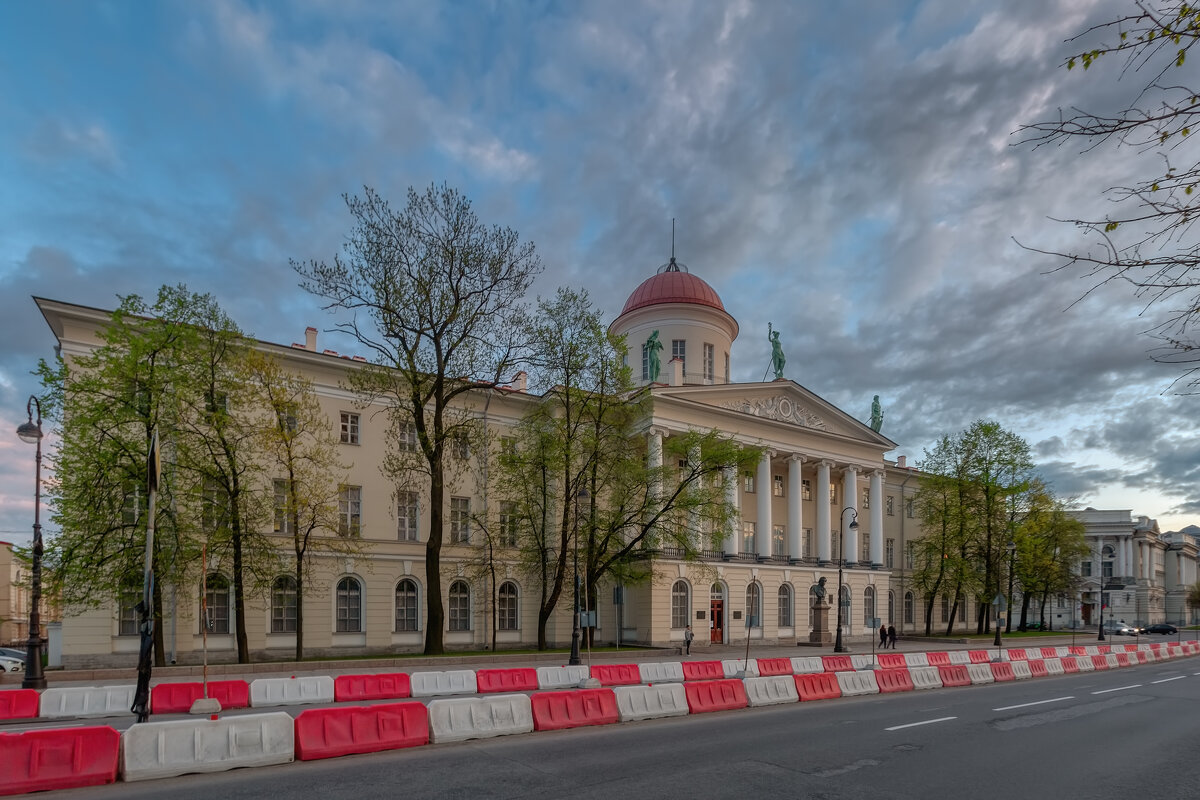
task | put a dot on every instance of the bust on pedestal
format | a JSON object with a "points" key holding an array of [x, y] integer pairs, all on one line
{"points": [[820, 633]]}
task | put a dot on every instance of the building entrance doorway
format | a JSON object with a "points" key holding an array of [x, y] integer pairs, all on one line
{"points": [[717, 620]]}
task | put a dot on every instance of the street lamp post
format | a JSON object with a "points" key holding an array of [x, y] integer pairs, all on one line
{"points": [[1012, 552], [31, 433], [580, 497], [837, 645]]}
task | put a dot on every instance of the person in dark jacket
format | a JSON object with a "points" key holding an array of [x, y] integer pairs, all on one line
{"points": [[882, 637], [892, 636]]}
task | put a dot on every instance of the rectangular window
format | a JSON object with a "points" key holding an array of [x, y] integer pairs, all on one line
{"points": [[748, 479], [350, 510], [864, 541], [945, 608], [508, 446], [406, 439], [910, 555], [833, 493], [349, 427], [283, 607], [406, 516], [806, 490], [891, 506], [460, 515], [1085, 569], [809, 550], [778, 541], [747, 537], [131, 508], [709, 353], [679, 350], [508, 523], [287, 421], [127, 615], [727, 367], [835, 538], [283, 520], [866, 499], [645, 362], [777, 485], [908, 508], [890, 554], [461, 447], [1106, 569], [212, 506]]}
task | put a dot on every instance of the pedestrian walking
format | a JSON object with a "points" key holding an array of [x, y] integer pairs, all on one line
{"points": [[883, 637], [687, 640], [891, 633]]}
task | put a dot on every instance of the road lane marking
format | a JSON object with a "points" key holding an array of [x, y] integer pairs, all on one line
{"points": [[915, 724], [1037, 703], [1119, 689], [1176, 678]]}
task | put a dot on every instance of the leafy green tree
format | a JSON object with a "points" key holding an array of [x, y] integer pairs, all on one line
{"points": [[943, 562], [1148, 240], [1049, 543], [436, 299]]}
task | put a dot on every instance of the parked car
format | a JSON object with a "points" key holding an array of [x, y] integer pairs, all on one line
{"points": [[1160, 627], [12, 652], [11, 665], [1119, 629]]}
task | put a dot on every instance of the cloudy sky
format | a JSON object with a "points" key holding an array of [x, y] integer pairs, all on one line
{"points": [[850, 176]]}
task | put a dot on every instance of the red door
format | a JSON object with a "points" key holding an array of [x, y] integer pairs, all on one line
{"points": [[717, 624]]}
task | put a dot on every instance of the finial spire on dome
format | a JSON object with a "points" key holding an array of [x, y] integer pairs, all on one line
{"points": [[672, 265]]}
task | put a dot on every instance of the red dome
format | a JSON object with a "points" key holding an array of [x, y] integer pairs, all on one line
{"points": [[672, 287]]}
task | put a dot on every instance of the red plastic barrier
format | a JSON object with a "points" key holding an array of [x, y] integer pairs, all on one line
{"points": [[979, 656], [893, 680], [1103, 649], [774, 666], [177, 698], [818, 686], [58, 758], [1130, 648], [1142, 657], [1078, 650], [1122, 659], [18, 704], [1037, 669], [384, 686], [715, 695], [1002, 671], [1050, 652], [1070, 664], [617, 674], [553, 711], [938, 659], [1100, 662], [954, 675], [1017, 654], [507, 680], [703, 671], [837, 663], [333, 732], [892, 661]]}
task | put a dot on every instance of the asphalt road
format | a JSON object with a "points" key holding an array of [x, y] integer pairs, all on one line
{"points": [[1114, 734]]}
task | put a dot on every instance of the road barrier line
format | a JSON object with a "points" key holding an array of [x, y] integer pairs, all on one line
{"points": [[1119, 689], [923, 722], [1166, 680], [1035, 703]]}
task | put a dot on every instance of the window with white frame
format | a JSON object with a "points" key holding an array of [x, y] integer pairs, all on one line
{"points": [[747, 536], [406, 438], [868, 606], [908, 508], [406, 515], [709, 353], [778, 541], [806, 490], [216, 598], [349, 429], [461, 447], [508, 523], [460, 606], [785, 606], [349, 606], [460, 518], [748, 482], [890, 553], [680, 605], [506, 606], [833, 493], [283, 605], [350, 510], [727, 367], [285, 420], [679, 350], [866, 499], [810, 550], [777, 485], [908, 608], [945, 603], [890, 505], [835, 539], [131, 507], [754, 605], [910, 554], [283, 519], [213, 506], [127, 613], [645, 362], [406, 606]]}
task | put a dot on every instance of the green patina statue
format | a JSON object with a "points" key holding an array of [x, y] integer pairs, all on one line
{"points": [[777, 358], [653, 360], [876, 415]]}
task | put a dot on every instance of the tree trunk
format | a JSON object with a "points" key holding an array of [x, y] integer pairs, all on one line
{"points": [[239, 600], [299, 608], [929, 615], [436, 614], [160, 650], [1025, 599]]}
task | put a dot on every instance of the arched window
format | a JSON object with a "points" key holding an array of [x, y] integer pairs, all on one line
{"points": [[680, 604], [868, 606], [945, 608], [891, 608], [785, 606], [216, 598], [844, 598], [460, 606], [506, 606], [283, 605], [406, 606], [754, 604], [349, 606], [908, 608]]}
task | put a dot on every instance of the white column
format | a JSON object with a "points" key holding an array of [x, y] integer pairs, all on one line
{"points": [[877, 520], [763, 526], [694, 515], [730, 479], [1130, 561], [1147, 563], [821, 501], [1121, 565], [795, 509], [849, 535], [654, 446]]}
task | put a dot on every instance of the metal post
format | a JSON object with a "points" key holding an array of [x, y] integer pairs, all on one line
{"points": [[32, 433], [837, 645], [580, 497]]}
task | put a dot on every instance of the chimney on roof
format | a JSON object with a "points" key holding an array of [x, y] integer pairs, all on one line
{"points": [[900, 462], [520, 381], [310, 338]]}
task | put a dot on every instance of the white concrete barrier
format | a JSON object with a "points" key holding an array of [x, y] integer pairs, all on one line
{"points": [[925, 677], [960, 657], [856, 683], [457, 719], [649, 702], [771, 690], [661, 671], [1063, 651], [433, 684], [863, 661], [807, 665], [916, 659], [1113, 663], [980, 673], [291, 691], [735, 667], [85, 701], [163, 749], [561, 677], [1054, 666], [1092, 650], [1021, 670], [1085, 663]]}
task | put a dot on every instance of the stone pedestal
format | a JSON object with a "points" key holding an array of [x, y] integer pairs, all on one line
{"points": [[820, 633]]}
